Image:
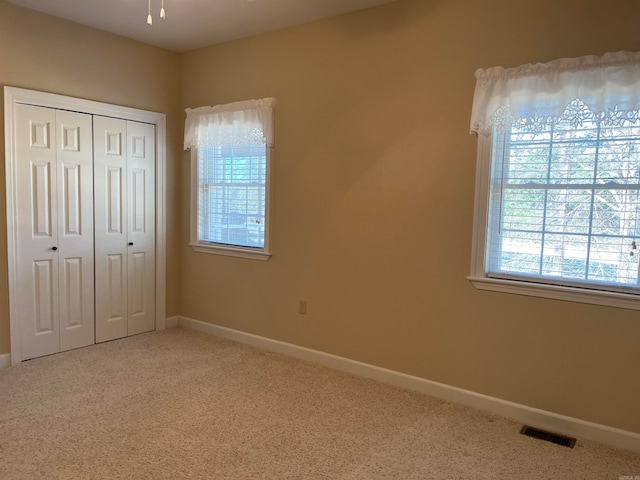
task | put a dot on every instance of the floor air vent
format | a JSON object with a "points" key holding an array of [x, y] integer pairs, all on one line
{"points": [[548, 436]]}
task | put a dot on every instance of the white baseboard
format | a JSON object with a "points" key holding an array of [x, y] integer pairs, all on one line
{"points": [[5, 360], [172, 322], [554, 422]]}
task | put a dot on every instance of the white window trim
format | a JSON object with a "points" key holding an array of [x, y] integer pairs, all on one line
{"points": [[230, 250], [481, 281]]}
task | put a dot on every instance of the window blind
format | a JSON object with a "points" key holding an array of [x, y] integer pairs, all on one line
{"points": [[564, 201], [231, 195]]}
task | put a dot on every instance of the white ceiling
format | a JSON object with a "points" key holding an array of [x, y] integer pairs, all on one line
{"points": [[192, 24]]}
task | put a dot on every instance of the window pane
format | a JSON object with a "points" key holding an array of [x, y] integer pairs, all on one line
{"points": [[231, 197], [573, 163], [523, 209], [565, 256], [619, 159], [564, 201], [568, 211], [520, 253], [612, 262], [527, 163]]}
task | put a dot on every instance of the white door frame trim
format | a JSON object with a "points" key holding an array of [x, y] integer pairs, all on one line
{"points": [[14, 96]]}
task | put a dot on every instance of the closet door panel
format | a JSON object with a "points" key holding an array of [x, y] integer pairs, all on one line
{"points": [[141, 227], [110, 207], [37, 231], [75, 229]]}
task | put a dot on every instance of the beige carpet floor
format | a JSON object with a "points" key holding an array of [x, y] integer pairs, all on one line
{"points": [[182, 404]]}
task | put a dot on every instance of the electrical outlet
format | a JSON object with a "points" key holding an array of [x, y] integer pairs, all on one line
{"points": [[302, 307]]}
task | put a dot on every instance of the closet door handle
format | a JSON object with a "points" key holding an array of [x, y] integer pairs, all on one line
{"points": [[54, 248], [131, 244]]}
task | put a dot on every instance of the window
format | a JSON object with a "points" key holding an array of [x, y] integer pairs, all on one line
{"points": [[558, 184], [232, 195], [230, 152]]}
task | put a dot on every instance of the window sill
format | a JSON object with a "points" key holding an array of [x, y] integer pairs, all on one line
{"points": [[570, 294], [231, 251]]}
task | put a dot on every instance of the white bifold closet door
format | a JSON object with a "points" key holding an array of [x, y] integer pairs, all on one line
{"points": [[55, 276], [124, 179]]}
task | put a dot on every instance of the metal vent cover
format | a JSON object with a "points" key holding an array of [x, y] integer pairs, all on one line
{"points": [[548, 436]]}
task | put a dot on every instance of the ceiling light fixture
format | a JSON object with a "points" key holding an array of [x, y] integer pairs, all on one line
{"points": [[162, 15]]}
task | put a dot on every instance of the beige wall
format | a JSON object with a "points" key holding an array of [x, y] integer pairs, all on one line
{"points": [[373, 198], [44, 53]]}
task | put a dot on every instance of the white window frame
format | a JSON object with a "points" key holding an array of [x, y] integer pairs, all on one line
{"points": [[482, 281], [224, 249]]}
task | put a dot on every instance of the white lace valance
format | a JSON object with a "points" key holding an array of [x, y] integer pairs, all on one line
{"points": [[234, 124], [542, 94]]}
